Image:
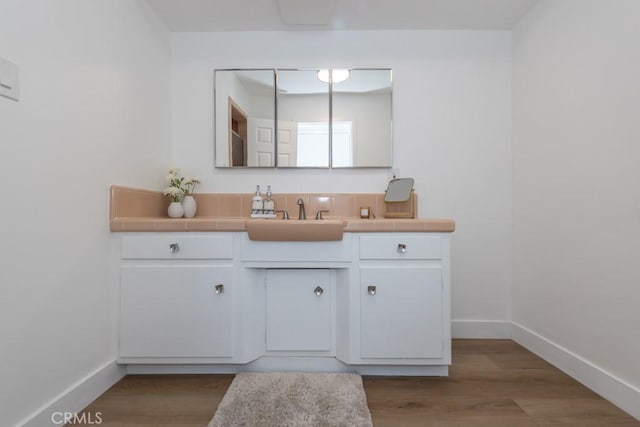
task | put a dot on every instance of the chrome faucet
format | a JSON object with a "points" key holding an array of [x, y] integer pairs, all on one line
{"points": [[301, 213]]}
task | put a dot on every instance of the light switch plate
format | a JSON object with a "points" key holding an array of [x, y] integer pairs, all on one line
{"points": [[9, 80]]}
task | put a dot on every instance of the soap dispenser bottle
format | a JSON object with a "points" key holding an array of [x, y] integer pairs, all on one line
{"points": [[257, 204], [269, 204]]}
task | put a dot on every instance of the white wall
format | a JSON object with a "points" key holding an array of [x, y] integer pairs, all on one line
{"points": [[452, 133], [94, 111], [576, 185]]}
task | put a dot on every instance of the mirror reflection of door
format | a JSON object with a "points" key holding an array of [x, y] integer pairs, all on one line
{"points": [[260, 146], [287, 143], [244, 118]]}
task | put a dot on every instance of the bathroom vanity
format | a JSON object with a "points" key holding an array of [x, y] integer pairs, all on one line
{"points": [[219, 302]]}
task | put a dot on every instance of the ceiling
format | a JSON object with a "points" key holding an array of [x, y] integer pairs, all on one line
{"points": [[269, 15]]}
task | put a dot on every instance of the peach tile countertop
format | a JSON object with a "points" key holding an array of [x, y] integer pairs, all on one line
{"points": [[134, 209]]}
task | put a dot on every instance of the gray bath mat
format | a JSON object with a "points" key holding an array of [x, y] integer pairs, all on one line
{"points": [[295, 400]]}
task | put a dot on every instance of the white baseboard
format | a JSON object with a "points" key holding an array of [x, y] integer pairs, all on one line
{"points": [[76, 397], [488, 329], [612, 388]]}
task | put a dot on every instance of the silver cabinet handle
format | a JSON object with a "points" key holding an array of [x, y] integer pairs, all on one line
{"points": [[372, 290], [318, 291], [402, 248], [174, 247], [219, 289]]}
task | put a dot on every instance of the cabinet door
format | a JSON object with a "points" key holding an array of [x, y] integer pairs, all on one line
{"points": [[176, 311], [401, 312], [299, 310]]}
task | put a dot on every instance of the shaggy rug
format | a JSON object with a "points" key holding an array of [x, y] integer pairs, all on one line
{"points": [[295, 400]]}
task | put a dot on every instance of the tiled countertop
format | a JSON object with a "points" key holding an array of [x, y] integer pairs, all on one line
{"points": [[133, 209], [239, 224]]}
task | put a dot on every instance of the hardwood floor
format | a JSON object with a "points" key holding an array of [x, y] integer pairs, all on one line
{"points": [[491, 383]]}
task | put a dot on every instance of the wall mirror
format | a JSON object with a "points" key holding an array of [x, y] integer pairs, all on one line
{"points": [[303, 119], [361, 118], [244, 111], [325, 118]]}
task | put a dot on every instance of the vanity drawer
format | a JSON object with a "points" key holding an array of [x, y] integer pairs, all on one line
{"points": [[401, 246], [296, 252], [177, 246]]}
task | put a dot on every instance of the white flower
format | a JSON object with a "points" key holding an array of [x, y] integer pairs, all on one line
{"points": [[178, 185], [172, 191]]}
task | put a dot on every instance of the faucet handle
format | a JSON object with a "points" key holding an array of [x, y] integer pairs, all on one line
{"points": [[285, 214], [319, 214]]}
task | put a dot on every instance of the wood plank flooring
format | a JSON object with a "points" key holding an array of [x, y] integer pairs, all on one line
{"points": [[492, 383]]}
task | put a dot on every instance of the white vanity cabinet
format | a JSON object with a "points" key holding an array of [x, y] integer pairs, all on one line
{"points": [[299, 310], [216, 302], [401, 313], [404, 304], [176, 297], [176, 311]]}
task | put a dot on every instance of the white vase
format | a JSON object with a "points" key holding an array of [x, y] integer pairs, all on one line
{"points": [[190, 206], [175, 210]]}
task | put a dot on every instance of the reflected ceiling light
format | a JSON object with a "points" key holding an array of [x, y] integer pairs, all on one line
{"points": [[338, 75], [323, 76]]}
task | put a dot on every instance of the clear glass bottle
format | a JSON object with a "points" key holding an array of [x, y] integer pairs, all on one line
{"points": [[257, 204], [269, 204]]}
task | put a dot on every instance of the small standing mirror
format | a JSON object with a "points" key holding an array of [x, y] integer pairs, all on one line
{"points": [[399, 200], [399, 190]]}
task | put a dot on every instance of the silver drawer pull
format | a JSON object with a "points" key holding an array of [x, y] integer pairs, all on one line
{"points": [[402, 248], [174, 247], [219, 289], [318, 291], [372, 290]]}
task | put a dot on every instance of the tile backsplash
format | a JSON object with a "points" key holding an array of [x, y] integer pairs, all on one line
{"points": [[134, 202]]}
